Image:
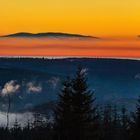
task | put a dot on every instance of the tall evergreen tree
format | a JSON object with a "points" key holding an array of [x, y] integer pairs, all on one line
{"points": [[125, 123], [84, 111], [75, 114], [135, 126], [63, 113], [107, 123], [16, 131]]}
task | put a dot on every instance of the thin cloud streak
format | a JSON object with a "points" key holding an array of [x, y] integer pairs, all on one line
{"points": [[70, 47]]}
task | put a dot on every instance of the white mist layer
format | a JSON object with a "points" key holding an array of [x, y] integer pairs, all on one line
{"points": [[22, 118]]}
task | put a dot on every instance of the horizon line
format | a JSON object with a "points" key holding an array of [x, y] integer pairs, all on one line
{"points": [[74, 57]]}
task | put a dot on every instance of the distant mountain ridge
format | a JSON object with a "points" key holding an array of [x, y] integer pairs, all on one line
{"points": [[114, 81], [48, 34]]}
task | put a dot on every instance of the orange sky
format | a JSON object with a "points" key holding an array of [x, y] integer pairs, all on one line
{"points": [[70, 47], [103, 18]]}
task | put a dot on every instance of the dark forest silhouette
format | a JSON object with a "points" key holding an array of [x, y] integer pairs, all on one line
{"points": [[77, 117]]}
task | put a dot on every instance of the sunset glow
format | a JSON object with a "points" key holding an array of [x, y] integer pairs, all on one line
{"points": [[116, 22]]}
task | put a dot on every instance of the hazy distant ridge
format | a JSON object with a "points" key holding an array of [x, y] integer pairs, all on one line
{"points": [[48, 34]]}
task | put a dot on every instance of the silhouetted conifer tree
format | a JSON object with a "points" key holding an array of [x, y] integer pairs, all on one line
{"points": [[135, 126], [116, 124], [125, 124], [63, 112], [84, 110], [16, 131], [76, 117], [107, 123]]}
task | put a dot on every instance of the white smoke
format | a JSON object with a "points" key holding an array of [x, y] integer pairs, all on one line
{"points": [[137, 76], [10, 87], [33, 87], [54, 81], [84, 71]]}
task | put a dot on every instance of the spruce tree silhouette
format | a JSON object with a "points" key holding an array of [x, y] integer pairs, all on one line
{"points": [[63, 113], [125, 123], [135, 127], [85, 117], [76, 117]]}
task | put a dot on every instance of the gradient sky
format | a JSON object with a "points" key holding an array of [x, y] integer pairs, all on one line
{"points": [[103, 18], [93, 17]]}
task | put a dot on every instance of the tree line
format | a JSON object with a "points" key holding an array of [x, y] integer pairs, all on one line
{"points": [[77, 117]]}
